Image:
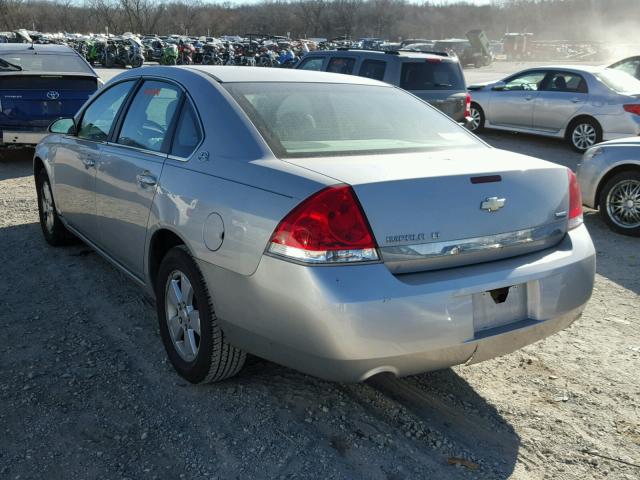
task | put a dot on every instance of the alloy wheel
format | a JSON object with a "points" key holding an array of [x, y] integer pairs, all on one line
{"points": [[47, 206], [623, 204], [476, 119], [584, 136], [183, 318]]}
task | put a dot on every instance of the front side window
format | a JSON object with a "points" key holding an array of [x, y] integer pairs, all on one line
{"points": [[99, 116], [527, 81], [312, 64], [188, 135], [306, 120], [373, 69], [341, 65], [149, 116], [431, 74]]}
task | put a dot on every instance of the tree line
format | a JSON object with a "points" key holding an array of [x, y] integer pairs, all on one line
{"points": [[572, 20]]}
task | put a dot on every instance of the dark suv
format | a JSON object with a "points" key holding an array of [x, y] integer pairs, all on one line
{"points": [[435, 78]]}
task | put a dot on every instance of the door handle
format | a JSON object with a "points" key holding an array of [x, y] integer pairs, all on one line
{"points": [[528, 98], [576, 100], [88, 162], [145, 179]]}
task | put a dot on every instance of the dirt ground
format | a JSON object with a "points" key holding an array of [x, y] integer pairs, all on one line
{"points": [[86, 390]]}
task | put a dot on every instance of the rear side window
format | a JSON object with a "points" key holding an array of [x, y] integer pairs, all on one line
{"points": [[431, 75], [565, 82], [149, 116], [341, 65], [188, 134], [373, 69], [99, 116], [311, 64]]}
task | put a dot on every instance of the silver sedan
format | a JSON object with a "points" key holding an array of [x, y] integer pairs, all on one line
{"points": [[312, 219], [583, 105], [609, 175]]}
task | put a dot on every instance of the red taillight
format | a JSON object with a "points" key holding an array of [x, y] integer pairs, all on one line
{"points": [[632, 108], [467, 109], [575, 201], [327, 227]]}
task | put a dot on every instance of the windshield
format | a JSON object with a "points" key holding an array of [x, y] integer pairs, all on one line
{"points": [[44, 62], [311, 119], [619, 81]]}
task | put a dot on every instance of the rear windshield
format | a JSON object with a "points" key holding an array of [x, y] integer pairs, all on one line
{"points": [[45, 62], [310, 119], [432, 74], [619, 81]]}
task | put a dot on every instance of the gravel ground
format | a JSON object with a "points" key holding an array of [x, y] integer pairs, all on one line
{"points": [[86, 390]]}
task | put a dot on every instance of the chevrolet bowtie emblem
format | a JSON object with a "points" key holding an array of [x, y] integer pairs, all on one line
{"points": [[493, 204]]}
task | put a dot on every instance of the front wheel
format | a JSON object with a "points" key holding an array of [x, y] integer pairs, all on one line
{"points": [[620, 203], [190, 330], [477, 118], [584, 134], [54, 231]]}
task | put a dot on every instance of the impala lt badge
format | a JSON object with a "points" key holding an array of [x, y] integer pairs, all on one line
{"points": [[493, 204]]}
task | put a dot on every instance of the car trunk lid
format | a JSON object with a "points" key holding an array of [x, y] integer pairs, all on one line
{"points": [[456, 207], [34, 101]]}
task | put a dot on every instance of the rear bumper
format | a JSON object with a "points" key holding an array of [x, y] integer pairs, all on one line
{"points": [[619, 126], [348, 323], [21, 138]]}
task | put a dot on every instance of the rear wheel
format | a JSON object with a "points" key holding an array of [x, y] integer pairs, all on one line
{"points": [[477, 117], [583, 134], [620, 203], [190, 330], [54, 231]]}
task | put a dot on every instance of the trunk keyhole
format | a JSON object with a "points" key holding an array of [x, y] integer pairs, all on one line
{"points": [[500, 295]]}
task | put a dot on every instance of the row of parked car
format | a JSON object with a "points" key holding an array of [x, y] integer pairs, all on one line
{"points": [[584, 105]]}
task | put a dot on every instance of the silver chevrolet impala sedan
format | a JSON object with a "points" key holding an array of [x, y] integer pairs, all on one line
{"points": [[330, 223], [581, 104]]}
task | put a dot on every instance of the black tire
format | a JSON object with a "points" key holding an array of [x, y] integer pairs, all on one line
{"points": [[618, 224], [215, 359], [574, 135], [54, 231], [479, 126]]}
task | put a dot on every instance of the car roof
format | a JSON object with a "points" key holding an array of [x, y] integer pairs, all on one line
{"points": [[387, 55], [569, 68], [229, 74], [36, 48]]}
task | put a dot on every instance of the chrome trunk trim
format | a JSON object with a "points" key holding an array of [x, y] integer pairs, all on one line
{"points": [[454, 253]]}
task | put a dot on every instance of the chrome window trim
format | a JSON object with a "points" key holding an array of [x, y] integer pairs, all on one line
{"points": [[454, 253], [136, 149]]}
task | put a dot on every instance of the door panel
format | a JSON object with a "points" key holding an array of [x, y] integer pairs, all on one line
{"points": [[74, 187], [562, 94], [513, 105], [130, 169], [76, 159], [125, 189]]}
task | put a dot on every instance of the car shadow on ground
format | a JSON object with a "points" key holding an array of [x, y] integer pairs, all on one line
{"points": [[618, 256], [15, 163], [438, 415]]}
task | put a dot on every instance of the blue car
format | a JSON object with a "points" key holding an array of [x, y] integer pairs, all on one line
{"points": [[39, 84]]}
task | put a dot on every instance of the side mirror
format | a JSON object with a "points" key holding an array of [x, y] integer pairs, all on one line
{"points": [[498, 86], [65, 126]]}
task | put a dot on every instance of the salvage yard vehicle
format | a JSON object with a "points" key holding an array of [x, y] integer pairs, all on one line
{"points": [[331, 223], [609, 176], [629, 65], [436, 78], [39, 83], [581, 104]]}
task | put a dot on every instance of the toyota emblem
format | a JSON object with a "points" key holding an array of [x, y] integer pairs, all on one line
{"points": [[53, 95]]}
